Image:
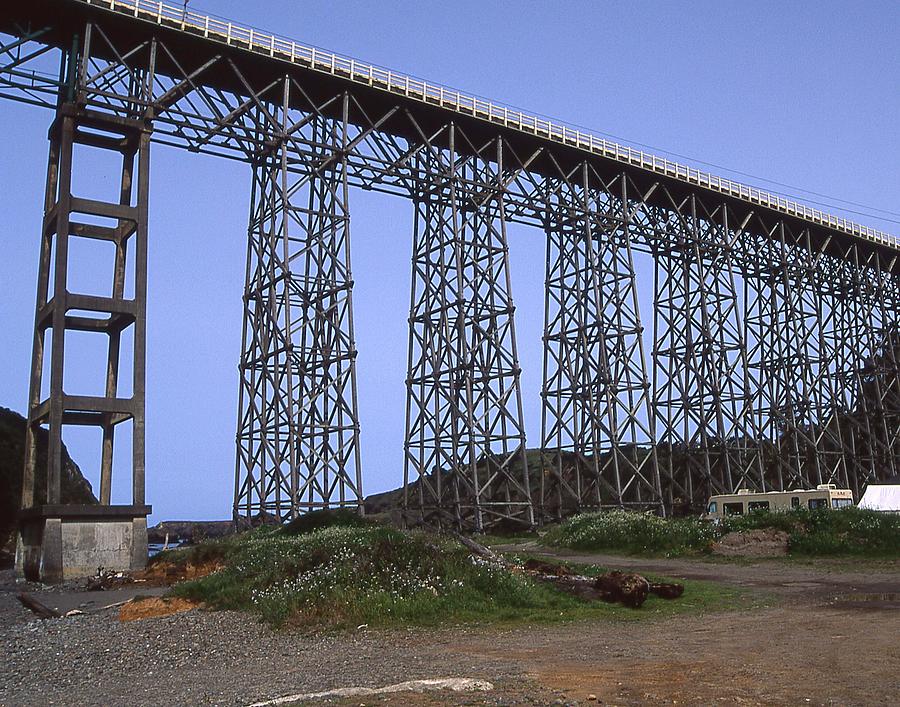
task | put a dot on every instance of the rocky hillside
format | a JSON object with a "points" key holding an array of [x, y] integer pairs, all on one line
{"points": [[75, 488]]}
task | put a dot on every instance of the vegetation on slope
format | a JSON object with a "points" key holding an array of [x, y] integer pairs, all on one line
{"points": [[819, 532], [633, 533], [349, 575]]}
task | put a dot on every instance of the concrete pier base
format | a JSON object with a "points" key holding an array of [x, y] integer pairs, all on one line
{"points": [[59, 542]]}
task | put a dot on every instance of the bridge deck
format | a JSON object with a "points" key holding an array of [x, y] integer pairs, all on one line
{"points": [[198, 35]]}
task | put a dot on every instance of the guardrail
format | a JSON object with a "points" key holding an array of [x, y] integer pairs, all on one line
{"points": [[434, 94]]}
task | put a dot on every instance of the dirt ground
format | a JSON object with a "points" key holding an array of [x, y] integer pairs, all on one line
{"points": [[828, 632], [820, 633], [150, 607], [824, 632]]}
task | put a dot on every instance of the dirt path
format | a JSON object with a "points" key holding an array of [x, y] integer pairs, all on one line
{"points": [[781, 655], [831, 638], [804, 580]]}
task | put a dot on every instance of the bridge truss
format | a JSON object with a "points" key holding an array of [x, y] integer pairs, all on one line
{"points": [[769, 361]]}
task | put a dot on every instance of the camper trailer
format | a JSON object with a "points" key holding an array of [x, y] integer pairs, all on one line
{"points": [[746, 501]]}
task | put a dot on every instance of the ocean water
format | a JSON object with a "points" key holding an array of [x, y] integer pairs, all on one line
{"points": [[156, 548]]}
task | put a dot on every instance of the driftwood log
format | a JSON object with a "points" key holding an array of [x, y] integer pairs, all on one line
{"points": [[616, 587], [481, 551], [666, 591], [44, 612], [621, 587]]}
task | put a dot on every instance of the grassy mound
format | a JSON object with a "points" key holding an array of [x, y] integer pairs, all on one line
{"points": [[343, 576], [346, 576], [819, 532], [849, 531], [325, 518]]}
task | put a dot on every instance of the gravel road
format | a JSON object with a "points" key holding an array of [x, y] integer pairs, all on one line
{"points": [[205, 657]]}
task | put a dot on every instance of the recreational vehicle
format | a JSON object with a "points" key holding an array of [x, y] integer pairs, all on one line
{"points": [[746, 501]]}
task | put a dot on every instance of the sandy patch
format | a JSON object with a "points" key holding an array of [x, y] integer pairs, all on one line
{"points": [[149, 607], [168, 573]]}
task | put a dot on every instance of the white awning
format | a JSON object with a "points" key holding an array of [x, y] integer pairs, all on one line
{"points": [[881, 497]]}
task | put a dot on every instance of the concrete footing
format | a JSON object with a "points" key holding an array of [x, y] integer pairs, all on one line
{"points": [[60, 542]]}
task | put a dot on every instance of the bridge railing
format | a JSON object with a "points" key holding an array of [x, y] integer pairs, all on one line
{"points": [[311, 57]]}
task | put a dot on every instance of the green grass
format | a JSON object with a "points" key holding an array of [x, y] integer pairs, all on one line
{"points": [[492, 539], [699, 596], [815, 533], [633, 534], [206, 551], [824, 532], [326, 518], [339, 577]]}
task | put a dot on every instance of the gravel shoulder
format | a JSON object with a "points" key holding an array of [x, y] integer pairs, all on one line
{"points": [[807, 641]]}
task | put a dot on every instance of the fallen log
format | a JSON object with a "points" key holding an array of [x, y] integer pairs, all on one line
{"points": [[548, 568], [666, 591], [574, 584], [43, 611], [480, 550], [615, 587]]}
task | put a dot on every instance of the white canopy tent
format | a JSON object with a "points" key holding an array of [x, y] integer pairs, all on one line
{"points": [[881, 497]]}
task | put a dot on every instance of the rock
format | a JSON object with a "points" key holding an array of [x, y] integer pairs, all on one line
{"points": [[624, 587], [762, 542], [74, 488]]}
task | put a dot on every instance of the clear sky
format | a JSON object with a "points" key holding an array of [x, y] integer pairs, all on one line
{"points": [[802, 93]]}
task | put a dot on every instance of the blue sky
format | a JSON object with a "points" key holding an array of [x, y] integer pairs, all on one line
{"points": [[802, 93]]}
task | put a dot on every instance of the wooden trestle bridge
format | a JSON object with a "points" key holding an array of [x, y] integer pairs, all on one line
{"points": [[773, 359]]}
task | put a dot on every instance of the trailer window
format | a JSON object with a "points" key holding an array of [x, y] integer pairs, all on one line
{"points": [[758, 505], [713, 507], [733, 509], [795, 502], [841, 502], [817, 503]]}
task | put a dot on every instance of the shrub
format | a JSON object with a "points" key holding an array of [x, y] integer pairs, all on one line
{"points": [[848, 531], [755, 520], [325, 518], [633, 533]]}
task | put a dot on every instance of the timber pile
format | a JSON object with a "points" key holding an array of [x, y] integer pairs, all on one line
{"points": [[107, 579], [625, 588]]}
